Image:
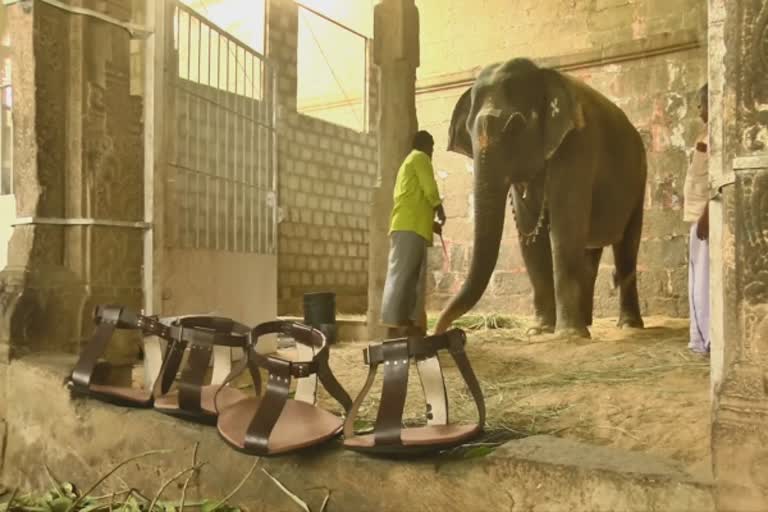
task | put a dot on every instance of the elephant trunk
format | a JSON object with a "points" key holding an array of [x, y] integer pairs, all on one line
{"points": [[490, 205]]}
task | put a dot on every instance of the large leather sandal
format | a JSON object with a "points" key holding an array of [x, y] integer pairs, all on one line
{"points": [[83, 382], [273, 423], [192, 399], [389, 437]]}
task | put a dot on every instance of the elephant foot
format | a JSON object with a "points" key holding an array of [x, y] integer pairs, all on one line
{"points": [[537, 330], [573, 332], [630, 322]]}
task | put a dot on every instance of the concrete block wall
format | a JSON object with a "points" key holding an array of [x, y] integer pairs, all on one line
{"points": [[326, 179], [326, 173], [646, 56]]}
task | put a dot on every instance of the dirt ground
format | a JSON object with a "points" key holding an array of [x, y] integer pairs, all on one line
{"points": [[633, 389]]}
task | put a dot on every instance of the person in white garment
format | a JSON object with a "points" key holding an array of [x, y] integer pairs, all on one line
{"points": [[696, 212]]}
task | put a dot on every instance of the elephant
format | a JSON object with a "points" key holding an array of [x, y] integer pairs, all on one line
{"points": [[575, 168]]}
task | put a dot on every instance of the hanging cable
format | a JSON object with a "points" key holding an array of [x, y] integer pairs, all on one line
{"points": [[347, 99]]}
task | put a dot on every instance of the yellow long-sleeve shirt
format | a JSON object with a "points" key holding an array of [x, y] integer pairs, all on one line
{"points": [[416, 196]]}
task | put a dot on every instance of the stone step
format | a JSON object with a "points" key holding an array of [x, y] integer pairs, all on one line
{"points": [[82, 440]]}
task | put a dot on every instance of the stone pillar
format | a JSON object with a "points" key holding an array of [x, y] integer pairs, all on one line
{"points": [[396, 54], [78, 178], [739, 244], [282, 44]]}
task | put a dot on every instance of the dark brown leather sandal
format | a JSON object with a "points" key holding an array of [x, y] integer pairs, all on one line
{"points": [[192, 399], [81, 381], [273, 423], [389, 437]]}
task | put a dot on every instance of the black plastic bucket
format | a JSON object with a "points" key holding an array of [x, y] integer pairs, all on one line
{"points": [[320, 312]]}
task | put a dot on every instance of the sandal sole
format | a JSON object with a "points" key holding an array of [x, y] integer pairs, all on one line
{"points": [[78, 394]]}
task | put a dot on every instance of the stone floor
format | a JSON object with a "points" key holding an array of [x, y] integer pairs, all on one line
{"points": [[639, 390], [618, 422]]}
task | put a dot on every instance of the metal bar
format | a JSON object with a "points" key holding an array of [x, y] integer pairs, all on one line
{"points": [[221, 30], [202, 98], [235, 168], [232, 181], [226, 157], [10, 147], [155, 53], [335, 22], [263, 154], [78, 221], [198, 143], [366, 87], [2, 141], [253, 146], [188, 149], [275, 189], [208, 149], [244, 156], [217, 158]]}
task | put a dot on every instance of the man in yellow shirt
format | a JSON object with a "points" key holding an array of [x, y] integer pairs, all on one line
{"points": [[416, 201]]}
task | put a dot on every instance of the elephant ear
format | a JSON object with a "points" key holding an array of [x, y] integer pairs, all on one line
{"points": [[459, 140], [562, 112]]}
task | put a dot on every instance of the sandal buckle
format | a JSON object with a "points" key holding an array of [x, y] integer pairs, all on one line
{"points": [[302, 369]]}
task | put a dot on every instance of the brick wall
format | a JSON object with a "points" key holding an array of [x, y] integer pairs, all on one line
{"points": [[326, 173], [647, 56]]}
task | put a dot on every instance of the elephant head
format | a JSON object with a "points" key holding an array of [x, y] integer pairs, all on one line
{"points": [[511, 122]]}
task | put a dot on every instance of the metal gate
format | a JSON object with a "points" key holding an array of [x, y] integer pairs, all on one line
{"points": [[222, 148]]}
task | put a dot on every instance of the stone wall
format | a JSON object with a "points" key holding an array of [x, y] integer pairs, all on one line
{"points": [[77, 155], [325, 185], [326, 173], [646, 56]]}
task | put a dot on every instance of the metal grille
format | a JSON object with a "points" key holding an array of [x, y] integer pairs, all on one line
{"points": [[224, 150]]}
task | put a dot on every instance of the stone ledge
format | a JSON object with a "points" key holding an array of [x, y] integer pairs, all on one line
{"points": [[81, 440]]}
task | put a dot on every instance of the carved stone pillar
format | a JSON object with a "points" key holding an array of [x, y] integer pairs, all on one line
{"points": [[396, 54], [78, 177], [739, 245]]}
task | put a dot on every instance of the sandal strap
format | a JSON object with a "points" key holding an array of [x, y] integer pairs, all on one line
{"points": [[109, 317], [200, 334], [298, 369], [395, 356], [280, 374], [418, 347], [389, 420], [268, 412], [456, 346]]}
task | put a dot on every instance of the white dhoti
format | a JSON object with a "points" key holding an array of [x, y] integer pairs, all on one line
{"points": [[698, 292]]}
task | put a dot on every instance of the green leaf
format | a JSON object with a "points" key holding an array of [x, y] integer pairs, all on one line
{"points": [[477, 451], [208, 506], [61, 504], [363, 426], [90, 506]]}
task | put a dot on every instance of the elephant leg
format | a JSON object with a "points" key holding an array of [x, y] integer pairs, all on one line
{"points": [[538, 262], [570, 271], [537, 256], [569, 215], [625, 257], [593, 263]]}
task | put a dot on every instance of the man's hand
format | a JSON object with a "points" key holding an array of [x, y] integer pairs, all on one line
{"points": [[702, 226], [440, 214], [437, 228], [701, 147]]}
